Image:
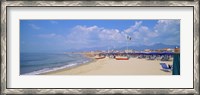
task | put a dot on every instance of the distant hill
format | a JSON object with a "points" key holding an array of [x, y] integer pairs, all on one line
{"points": [[153, 47], [140, 47]]}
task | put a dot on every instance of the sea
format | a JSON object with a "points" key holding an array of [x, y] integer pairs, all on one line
{"points": [[38, 63]]}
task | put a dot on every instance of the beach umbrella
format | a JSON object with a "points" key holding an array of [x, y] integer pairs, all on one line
{"points": [[176, 64]]}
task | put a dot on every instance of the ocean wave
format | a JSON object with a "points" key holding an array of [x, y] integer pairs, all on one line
{"points": [[46, 70]]}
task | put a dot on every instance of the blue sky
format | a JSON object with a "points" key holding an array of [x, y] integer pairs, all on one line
{"points": [[66, 35]]}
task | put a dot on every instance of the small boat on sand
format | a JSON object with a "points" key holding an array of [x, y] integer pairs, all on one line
{"points": [[122, 58], [100, 57]]}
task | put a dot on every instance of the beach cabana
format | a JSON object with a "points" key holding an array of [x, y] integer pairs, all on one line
{"points": [[176, 62]]}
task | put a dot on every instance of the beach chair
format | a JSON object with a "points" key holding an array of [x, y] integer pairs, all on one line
{"points": [[166, 67]]}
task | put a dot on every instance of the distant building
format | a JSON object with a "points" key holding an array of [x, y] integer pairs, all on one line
{"points": [[129, 51], [147, 50], [168, 50]]}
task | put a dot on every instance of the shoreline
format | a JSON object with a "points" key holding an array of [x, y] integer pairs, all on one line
{"points": [[92, 59], [67, 68]]}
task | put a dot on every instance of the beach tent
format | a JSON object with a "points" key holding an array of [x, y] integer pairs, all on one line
{"points": [[176, 64]]}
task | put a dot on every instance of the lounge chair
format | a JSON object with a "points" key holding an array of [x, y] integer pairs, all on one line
{"points": [[166, 67]]}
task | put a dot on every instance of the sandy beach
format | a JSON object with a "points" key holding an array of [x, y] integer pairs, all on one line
{"points": [[109, 66]]}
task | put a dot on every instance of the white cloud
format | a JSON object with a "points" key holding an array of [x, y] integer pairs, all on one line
{"points": [[168, 31], [53, 22], [165, 31], [96, 33], [94, 36], [34, 26], [134, 27], [140, 34], [111, 35], [167, 26], [51, 35]]}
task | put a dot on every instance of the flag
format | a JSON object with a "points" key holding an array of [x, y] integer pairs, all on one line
{"points": [[128, 38]]}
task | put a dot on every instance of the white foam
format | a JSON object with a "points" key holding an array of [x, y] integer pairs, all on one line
{"points": [[45, 70]]}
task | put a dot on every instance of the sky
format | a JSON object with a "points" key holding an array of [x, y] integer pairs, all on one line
{"points": [[72, 35]]}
